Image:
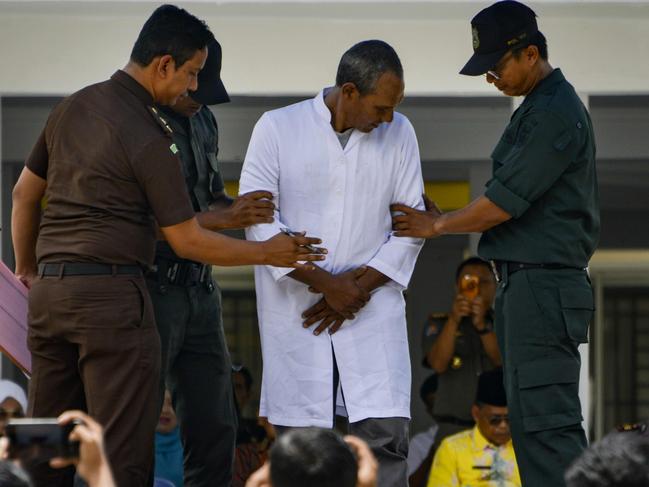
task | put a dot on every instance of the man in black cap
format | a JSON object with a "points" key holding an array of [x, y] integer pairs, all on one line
{"points": [[187, 302], [483, 455], [540, 218]]}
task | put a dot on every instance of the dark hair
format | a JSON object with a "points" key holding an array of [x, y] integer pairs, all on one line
{"points": [[429, 386], [170, 30], [247, 376], [13, 476], [617, 460], [365, 62], [312, 457], [537, 40], [471, 261]]}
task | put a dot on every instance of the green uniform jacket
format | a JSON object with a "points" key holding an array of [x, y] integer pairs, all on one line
{"points": [[544, 177]]}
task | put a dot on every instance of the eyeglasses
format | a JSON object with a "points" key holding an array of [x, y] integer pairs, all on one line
{"points": [[500, 65], [497, 419], [6, 414], [632, 427]]}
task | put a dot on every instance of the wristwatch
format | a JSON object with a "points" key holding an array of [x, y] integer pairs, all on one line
{"points": [[488, 325]]}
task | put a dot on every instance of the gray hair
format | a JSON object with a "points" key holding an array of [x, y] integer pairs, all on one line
{"points": [[365, 62]]}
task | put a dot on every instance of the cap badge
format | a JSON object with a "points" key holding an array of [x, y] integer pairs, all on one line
{"points": [[476, 38]]}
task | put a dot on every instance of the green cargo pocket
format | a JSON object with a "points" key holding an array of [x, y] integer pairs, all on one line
{"points": [[548, 394], [577, 306]]}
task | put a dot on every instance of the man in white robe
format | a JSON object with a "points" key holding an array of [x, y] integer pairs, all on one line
{"points": [[334, 164]]}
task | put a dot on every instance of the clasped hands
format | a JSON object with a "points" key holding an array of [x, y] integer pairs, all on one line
{"points": [[343, 297]]}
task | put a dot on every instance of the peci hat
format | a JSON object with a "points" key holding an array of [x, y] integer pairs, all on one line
{"points": [[496, 30], [491, 389], [211, 90]]}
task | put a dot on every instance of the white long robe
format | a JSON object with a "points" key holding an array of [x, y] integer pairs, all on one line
{"points": [[343, 197]]}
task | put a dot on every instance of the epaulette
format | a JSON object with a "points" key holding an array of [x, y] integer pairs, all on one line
{"points": [[161, 121]]}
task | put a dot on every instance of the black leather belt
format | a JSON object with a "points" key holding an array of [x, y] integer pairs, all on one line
{"points": [[61, 269], [181, 272], [498, 266]]}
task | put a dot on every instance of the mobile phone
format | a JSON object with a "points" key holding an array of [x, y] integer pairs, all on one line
{"points": [[40, 439], [470, 286]]}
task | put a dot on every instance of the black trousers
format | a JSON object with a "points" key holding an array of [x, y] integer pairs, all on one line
{"points": [[197, 369]]}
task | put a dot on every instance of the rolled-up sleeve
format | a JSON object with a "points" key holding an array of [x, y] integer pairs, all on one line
{"points": [[260, 172], [544, 147], [397, 257]]}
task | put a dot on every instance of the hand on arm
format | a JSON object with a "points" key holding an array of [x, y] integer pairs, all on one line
{"points": [[190, 241], [246, 210], [25, 219], [478, 216]]}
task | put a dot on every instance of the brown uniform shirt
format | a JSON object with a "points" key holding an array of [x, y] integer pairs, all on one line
{"points": [[110, 168]]}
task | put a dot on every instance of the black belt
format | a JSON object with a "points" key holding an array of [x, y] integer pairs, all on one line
{"points": [[453, 420], [498, 265], [181, 272], [61, 269]]}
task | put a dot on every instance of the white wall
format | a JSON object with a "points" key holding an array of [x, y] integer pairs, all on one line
{"points": [[58, 47]]}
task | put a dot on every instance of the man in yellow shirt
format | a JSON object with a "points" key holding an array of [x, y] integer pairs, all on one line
{"points": [[482, 456]]}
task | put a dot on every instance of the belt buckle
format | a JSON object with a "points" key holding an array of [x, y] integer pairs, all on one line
{"points": [[496, 271]]}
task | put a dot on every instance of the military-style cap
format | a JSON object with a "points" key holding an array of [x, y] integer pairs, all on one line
{"points": [[491, 389], [496, 30], [211, 90]]}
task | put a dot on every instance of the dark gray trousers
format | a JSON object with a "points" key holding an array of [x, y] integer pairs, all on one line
{"points": [[196, 368]]}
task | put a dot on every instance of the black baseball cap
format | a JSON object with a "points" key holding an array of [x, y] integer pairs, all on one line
{"points": [[211, 90], [496, 30]]}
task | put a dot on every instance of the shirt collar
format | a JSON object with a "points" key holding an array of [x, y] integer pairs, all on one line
{"points": [[128, 82], [480, 443], [546, 84], [321, 108]]}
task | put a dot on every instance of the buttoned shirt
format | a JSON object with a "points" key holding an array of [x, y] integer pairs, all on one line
{"points": [[544, 176], [342, 196], [111, 168], [467, 459]]}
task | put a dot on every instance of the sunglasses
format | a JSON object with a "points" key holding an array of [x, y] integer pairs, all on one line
{"points": [[496, 71], [632, 427]]}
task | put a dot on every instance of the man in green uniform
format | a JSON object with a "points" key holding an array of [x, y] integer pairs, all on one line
{"points": [[540, 220], [195, 361]]}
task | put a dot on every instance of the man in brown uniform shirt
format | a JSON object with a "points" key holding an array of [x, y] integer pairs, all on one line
{"points": [[107, 166]]}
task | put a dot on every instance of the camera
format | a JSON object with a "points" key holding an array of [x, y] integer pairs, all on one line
{"points": [[40, 439]]}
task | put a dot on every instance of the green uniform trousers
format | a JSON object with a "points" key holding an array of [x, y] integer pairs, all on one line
{"points": [[542, 316]]}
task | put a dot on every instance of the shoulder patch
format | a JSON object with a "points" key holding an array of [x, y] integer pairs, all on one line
{"points": [[160, 121]]}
